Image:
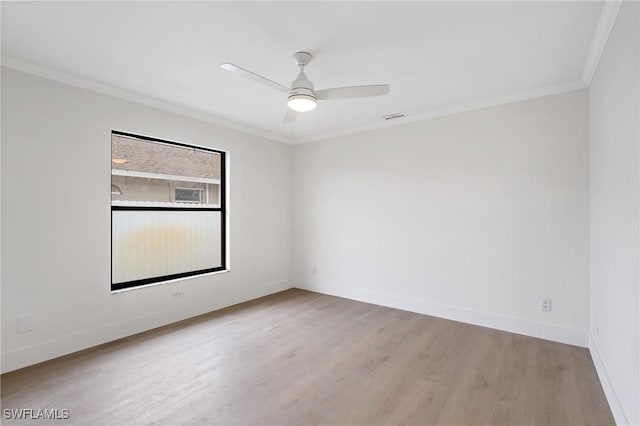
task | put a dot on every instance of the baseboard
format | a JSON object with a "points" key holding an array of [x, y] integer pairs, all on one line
{"points": [[51, 349], [617, 409], [571, 336]]}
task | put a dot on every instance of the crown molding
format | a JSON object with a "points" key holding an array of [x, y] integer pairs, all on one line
{"points": [[84, 83], [74, 80], [481, 104], [600, 36]]}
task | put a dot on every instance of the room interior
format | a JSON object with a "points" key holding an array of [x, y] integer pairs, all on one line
{"points": [[454, 251]]}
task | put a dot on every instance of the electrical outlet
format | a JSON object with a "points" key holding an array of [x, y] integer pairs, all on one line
{"points": [[25, 323], [314, 271], [176, 295], [545, 305]]}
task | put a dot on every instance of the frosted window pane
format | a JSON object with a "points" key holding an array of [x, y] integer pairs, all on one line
{"points": [[158, 243]]}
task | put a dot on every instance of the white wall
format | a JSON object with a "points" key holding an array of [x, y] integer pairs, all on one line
{"points": [[614, 118], [474, 216], [56, 167]]}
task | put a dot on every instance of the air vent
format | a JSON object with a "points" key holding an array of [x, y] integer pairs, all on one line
{"points": [[394, 116]]}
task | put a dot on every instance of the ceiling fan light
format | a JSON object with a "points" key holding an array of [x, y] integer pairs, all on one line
{"points": [[301, 103]]}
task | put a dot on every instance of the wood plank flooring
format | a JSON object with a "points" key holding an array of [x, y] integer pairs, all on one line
{"points": [[302, 358]]}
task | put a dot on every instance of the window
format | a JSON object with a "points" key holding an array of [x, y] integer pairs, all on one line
{"points": [[167, 210], [188, 195]]}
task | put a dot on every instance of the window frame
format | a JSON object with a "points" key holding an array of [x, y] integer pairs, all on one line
{"points": [[222, 208]]}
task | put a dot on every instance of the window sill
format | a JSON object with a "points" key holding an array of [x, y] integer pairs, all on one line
{"points": [[122, 290]]}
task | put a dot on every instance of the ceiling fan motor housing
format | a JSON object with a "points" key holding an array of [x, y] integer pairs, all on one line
{"points": [[302, 98], [302, 86]]}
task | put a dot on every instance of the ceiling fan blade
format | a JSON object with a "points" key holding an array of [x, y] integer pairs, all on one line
{"points": [[290, 116], [353, 92], [255, 77]]}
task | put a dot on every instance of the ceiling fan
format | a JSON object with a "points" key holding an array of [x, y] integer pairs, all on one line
{"points": [[302, 96]]}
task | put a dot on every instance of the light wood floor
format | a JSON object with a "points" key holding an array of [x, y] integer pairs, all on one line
{"points": [[298, 358]]}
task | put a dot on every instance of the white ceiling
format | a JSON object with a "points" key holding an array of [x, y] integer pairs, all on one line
{"points": [[436, 56]]}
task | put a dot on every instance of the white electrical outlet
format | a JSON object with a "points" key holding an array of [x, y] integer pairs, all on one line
{"points": [[25, 323], [176, 295], [314, 271], [545, 305]]}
